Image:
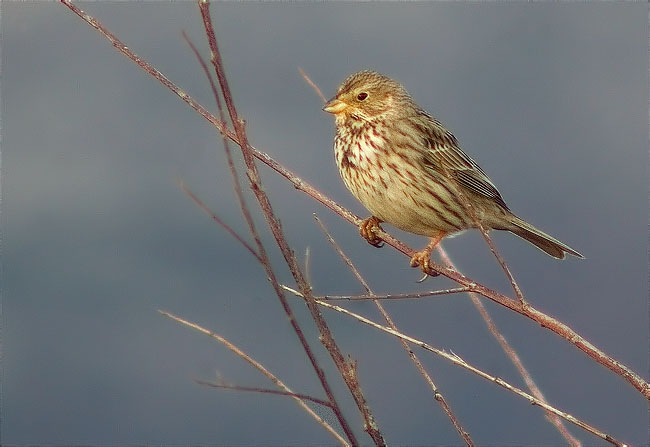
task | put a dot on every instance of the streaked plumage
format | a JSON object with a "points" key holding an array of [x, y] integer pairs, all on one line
{"points": [[406, 168]]}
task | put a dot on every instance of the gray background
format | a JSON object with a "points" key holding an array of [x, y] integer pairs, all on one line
{"points": [[551, 99]]}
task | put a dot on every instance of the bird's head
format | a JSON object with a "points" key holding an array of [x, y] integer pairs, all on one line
{"points": [[367, 95]]}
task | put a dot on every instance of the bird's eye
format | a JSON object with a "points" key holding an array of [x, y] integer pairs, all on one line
{"points": [[361, 96]]}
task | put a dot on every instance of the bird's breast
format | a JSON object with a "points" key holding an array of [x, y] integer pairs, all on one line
{"points": [[368, 169], [388, 179], [358, 156]]}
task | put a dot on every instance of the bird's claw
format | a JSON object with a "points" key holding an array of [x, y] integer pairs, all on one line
{"points": [[421, 280], [423, 260], [366, 229]]}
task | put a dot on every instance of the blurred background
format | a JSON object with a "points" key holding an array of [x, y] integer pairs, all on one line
{"points": [[551, 99]]}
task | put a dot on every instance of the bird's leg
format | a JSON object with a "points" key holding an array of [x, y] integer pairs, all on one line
{"points": [[422, 258], [366, 229]]}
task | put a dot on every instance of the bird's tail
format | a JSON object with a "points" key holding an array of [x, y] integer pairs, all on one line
{"points": [[541, 240]]}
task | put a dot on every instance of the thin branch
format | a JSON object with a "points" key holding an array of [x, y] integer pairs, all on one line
{"points": [[416, 361], [455, 359], [308, 265], [528, 311], [502, 263], [397, 296], [312, 84], [217, 219], [261, 369], [369, 297], [514, 358], [263, 391], [347, 373], [206, 71], [465, 202]]}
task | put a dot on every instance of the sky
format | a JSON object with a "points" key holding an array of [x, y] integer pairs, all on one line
{"points": [[551, 99]]}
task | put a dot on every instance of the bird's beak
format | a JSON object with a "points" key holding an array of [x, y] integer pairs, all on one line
{"points": [[335, 106]]}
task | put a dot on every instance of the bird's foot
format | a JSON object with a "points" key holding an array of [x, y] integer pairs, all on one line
{"points": [[367, 231], [422, 258]]}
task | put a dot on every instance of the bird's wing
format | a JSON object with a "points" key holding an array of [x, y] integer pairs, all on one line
{"points": [[444, 156]]}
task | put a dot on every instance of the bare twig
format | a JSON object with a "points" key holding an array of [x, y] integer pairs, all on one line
{"points": [[370, 297], [528, 311], [416, 361], [263, 370], [217, 219], [311, 83], [397, 296], [308, 265], [327, 338], [462, 198], [263, 391], [514, 358], [460, 362]]}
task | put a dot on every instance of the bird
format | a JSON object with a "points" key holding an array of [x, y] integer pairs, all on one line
{"points": [[408, 170]]}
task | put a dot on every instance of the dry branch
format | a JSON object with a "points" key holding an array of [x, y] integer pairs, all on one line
{"points": [[218, 220], [254, 389], [261, 369], [460, 362], [394, 296], [514, 358]]}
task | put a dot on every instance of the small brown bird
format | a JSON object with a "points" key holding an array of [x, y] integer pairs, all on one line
{"points": [[409, 171]]}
